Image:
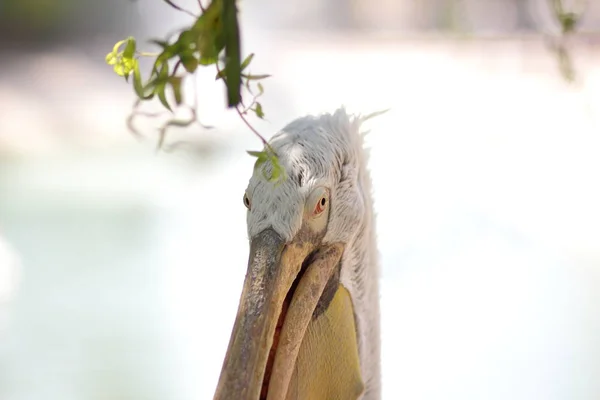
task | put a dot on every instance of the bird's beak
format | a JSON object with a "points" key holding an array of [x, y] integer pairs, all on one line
{"points": [[280, 293]]}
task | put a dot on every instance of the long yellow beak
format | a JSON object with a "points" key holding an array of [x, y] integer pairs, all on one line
{"points": [[280, 295]]}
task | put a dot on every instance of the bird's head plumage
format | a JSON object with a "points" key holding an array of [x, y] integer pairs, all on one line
{"points": [[301, 323]]}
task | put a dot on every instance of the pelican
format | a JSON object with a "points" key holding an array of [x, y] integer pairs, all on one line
{"points": [[307, 325]]}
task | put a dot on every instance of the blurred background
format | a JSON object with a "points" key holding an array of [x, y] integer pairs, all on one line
{"points": [[121, 268]]}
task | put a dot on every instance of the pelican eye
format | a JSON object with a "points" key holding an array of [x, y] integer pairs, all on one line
{"points": [[246, 201], [321, 205], [317, 208]]}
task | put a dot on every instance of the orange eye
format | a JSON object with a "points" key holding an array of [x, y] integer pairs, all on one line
{"points": [[321, 205]]}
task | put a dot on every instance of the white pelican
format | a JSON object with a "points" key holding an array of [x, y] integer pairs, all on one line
{"points": [[307, 325]]}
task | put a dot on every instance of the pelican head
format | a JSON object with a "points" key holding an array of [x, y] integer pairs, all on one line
{"points": [[307, 325]]}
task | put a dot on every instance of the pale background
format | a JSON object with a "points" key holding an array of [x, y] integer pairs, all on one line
{"points": [[120, 269]]}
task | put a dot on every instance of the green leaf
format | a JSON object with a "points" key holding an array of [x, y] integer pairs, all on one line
{"points": [[162, 84], [220, 75], [184, 47], [208, 29], [187, 41], [261, 90], [175, 82], [261, 157], [209, 18], [258, 154], [128, 65], [258, 110], [129, 51], [190, 63], [117, 46], [276, 174], [247, 61], [277, 171], [232, 52], [137, 81], [569, 22], [208, 58], [173, 122], [168, 53], [255, 77], [160, 92], [149, 89]]}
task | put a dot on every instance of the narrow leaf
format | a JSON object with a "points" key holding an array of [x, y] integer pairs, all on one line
{"points": [[209, 33], [255, 153], [208, 58], [247, 61], [232, 52], [258, 110], [162, 84], [175, 82], [278, 174], [255, 77], [137, 81], [187, 41], [117, 46], [261, 158], [190, 63], [209, 17], [160, 92], [129, 51], [220, 75]]}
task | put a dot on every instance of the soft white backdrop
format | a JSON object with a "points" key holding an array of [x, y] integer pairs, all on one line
{"points": [[485, 180]]}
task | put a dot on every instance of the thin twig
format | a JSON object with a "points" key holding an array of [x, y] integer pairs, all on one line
{"points": [[176, 67], [175, 6], [246, 109], [241, 114], [162, 132], [262, 139], [135, 112]]}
